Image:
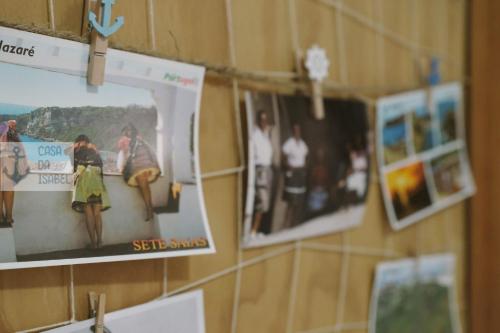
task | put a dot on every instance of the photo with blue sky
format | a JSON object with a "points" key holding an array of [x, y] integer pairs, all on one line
{"points": [[57, 107]]}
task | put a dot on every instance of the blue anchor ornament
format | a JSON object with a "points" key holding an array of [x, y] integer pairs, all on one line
{"points": [[106, 29], [15, 176], [434, 77]]}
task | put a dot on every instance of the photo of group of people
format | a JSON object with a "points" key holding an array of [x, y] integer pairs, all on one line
{"points": [[421, 153], [306, 176], [415, 295], [97, 174]]}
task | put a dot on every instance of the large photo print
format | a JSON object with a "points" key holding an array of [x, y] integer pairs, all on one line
{"points": [[92, 174], [306, 177]]}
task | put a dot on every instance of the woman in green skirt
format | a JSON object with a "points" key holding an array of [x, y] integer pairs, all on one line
{"points": [[89, 192]]}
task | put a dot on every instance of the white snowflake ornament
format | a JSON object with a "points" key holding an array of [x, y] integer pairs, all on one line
{"points": [[317, 63]]}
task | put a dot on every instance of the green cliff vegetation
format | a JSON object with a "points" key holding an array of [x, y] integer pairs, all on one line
{"points": [[415, 308], [102, 125]]}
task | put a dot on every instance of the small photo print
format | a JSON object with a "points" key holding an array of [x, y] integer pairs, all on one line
{"points": [[447, 118], [408, 190], [422, 129], [395, 139], [409, 294], [306, 177], [449, 176], [434, 173]]}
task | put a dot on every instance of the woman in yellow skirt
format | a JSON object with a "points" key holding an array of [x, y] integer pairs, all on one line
{"points": [[141, 167], [89, 192]]}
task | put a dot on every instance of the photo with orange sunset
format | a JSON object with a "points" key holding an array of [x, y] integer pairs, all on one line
{"points": [[408, 190]]}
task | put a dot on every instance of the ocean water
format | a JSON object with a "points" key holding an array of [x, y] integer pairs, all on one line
{"points": [[26, 138], [36, 149], [15, 109]]}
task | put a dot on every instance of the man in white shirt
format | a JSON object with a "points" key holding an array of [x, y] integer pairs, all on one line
{"points": [[263, 157], [295, 152]]}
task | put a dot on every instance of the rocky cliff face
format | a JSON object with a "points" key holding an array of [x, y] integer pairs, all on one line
{"points": [[101, 124]]}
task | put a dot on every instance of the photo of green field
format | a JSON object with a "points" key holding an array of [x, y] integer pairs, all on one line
{"points": [[417, 299]]}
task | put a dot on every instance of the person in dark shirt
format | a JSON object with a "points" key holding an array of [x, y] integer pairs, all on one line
{"points": [[89, 192]]}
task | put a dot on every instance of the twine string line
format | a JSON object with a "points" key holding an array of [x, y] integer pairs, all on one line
{"points": [[151, 24], [344, 269], [52, 20], [294, 286], [239, 170], [285, 80]]}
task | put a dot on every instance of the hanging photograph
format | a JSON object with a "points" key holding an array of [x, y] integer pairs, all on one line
{"points": [[93, 174], [414, 294], [422, 154], [182, 313], [306, 177]]}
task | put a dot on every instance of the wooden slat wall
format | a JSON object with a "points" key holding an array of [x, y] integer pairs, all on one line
{"points": [[196, 29], [485, 140]]}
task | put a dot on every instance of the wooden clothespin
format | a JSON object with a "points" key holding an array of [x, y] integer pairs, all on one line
{"points": [[93, 300], [317, 65], [97, 306], [99, 39]]}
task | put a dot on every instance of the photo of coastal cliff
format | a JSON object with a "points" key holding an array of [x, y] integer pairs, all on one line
{"points": [[64, 124], [130, 188]]}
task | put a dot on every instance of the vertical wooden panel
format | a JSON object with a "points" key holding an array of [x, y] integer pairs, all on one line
{"points": [[33, 297], [217, 129], [135, 30], [218, 295], [458, 34], [220, 199], [124, 283], [318, 290], [204, 38], [361, 53], [31, 12], [374, 223], [69, 15], [363, 7], [434, 31], [265, 286], [485, 139], [262, 35], [359, 288]]}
